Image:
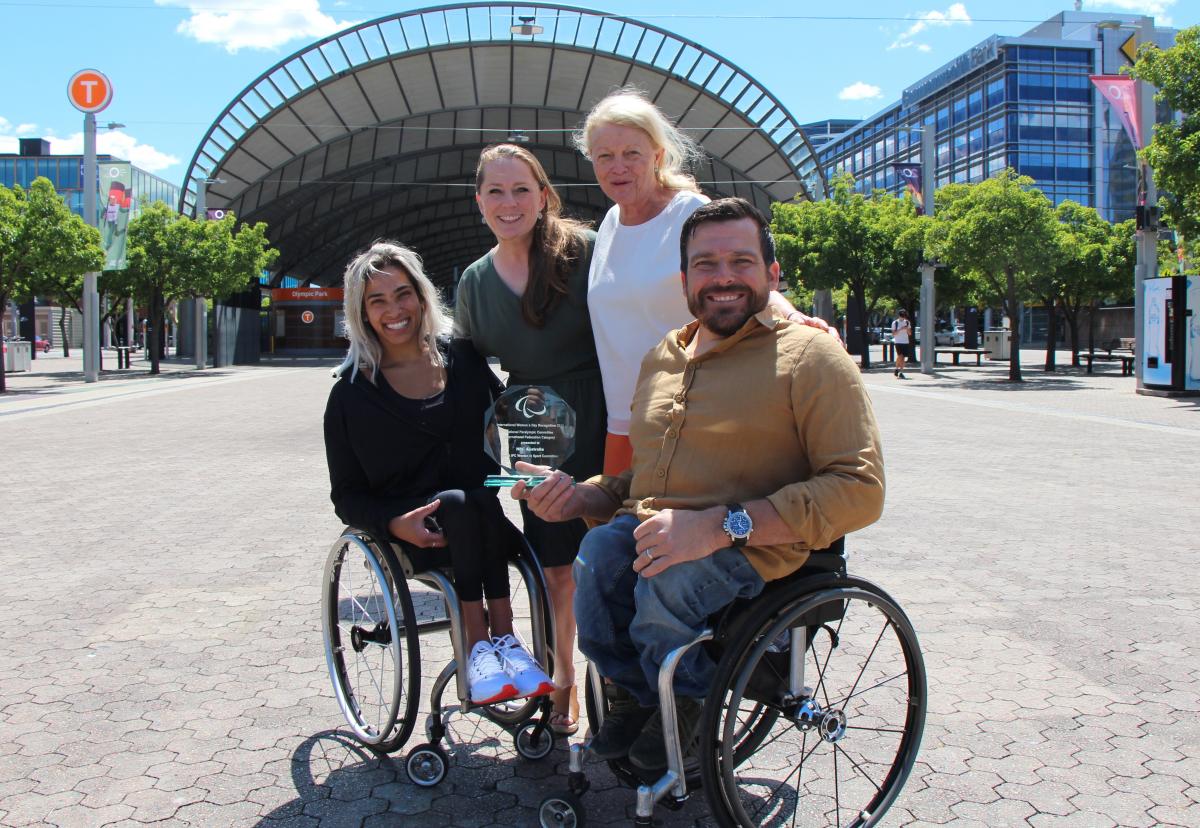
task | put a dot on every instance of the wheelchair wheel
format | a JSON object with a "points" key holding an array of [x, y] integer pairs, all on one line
{"points": [[371, 643], [838, 753], [561, 811]]}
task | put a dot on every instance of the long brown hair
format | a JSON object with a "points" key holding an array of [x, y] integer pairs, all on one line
{"points": [[557, 243]]}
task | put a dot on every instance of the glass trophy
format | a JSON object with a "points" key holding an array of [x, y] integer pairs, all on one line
{"points": [[529, 423]]}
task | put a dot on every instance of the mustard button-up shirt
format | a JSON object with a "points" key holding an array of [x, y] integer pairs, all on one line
{"points": [[777, 411]]}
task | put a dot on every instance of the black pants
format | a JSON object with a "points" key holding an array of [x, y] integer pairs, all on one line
{"points": [[479, 539]]}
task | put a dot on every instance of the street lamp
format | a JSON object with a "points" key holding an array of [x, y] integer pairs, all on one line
{"points": [[528, 26]]}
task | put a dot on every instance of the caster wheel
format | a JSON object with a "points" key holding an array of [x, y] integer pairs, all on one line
{"points": [[530, 749], [561, 811], [427, 765]]}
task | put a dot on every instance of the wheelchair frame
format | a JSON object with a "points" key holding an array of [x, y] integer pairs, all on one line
{"points": [[394, 626], [809, 598]]}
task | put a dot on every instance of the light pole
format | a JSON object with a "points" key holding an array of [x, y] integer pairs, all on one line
{"points": [[91, 297], [928, 291], [1147, 202]]}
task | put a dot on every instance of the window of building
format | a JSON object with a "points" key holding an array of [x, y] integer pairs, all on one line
{"points": [[975, 173], [6, 173], [68, 173], [975, 140], [995, 92], [960, 147], [997, 162], [1073, 88], [1079, 56], [1036, 126], [960, 175], [1037, 165], [960, 110], [889, 146], [975, 103], [1071, 128], [995, 132], [943, 118], [1035, 86], [943, 153], [1039, 53]]}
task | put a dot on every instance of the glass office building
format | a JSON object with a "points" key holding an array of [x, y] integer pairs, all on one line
{"points": [[1022, 102], [65, 172]]}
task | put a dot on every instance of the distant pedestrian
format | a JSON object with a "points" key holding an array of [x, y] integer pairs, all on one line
{"points": [[901, 341]]}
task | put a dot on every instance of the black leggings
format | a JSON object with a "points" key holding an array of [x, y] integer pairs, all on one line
{"points": [[479, 540]]}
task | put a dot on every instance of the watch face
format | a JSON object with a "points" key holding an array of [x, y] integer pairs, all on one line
{"points": [[739, 524]]}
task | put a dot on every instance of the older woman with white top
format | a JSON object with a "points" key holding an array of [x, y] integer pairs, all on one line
{"points": [[634, 292]]}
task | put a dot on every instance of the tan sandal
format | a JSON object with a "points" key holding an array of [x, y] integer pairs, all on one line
{"points": [[565, 722]]}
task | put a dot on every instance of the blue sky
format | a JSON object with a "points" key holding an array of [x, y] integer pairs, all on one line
{"points": [[175, 64]]}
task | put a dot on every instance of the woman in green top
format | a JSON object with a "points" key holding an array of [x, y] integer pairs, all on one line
{"points": [[525, 302]]}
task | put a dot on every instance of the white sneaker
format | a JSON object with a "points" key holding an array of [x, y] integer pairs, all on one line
{"points": [[486, 676], [530, 679]]}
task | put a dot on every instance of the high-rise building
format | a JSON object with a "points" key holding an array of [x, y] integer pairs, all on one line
{"points": [[1022, 102]]}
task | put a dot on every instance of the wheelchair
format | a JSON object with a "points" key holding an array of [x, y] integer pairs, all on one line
{"points": [[814, 716], [373, 652]]}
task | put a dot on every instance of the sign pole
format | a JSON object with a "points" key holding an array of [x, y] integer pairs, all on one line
{"points": [[199, 306], [90, 91], [91, 298]]}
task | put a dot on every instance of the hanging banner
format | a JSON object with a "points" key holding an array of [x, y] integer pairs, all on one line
{"points": [[1121, 93], [910, 174], [116, 183]]}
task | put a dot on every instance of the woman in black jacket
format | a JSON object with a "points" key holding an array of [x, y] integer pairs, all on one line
{"points": [[404, 443]]}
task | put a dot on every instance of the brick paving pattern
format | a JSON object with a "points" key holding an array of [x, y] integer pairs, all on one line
{"points": [[160, 647]]}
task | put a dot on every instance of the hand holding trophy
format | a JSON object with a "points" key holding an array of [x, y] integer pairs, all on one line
{"points": [[529, 423]]}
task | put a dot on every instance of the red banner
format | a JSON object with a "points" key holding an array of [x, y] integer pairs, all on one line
{"points": [[1121, 93]]}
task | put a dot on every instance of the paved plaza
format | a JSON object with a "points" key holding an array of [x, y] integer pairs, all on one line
{"points": [[160, 645]]}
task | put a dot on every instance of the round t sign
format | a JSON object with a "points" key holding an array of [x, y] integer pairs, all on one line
{"points": [[89, 90], [307, 317]]}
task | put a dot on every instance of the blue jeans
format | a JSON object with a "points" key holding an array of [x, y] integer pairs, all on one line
{"points": [[628, 624]]}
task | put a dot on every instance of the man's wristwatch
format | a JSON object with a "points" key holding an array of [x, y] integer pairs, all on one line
{"points": [[738, 524]]}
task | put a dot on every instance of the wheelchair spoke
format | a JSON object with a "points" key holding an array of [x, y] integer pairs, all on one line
{"points": [[837, 634], [857, 766], [842, 702], [837, 790], [867, 660]]}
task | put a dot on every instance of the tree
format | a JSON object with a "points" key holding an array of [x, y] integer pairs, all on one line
{"points": [[39, 236], [1002, 233], [173, 257], [1174, 152], [1096, 263], [848, 240], [62, 280]]}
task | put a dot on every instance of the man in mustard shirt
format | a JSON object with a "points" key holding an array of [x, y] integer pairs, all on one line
{"points": [[753, 443]]}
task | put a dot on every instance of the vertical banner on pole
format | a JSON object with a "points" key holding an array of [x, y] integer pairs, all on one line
{"points": [[116, 183], [910, 174]]}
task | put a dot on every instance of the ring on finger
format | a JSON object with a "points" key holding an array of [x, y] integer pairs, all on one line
{"points": [[649, 555]]}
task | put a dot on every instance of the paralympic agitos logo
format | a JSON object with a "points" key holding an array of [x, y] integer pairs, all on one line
{"points": [[531, 405]]}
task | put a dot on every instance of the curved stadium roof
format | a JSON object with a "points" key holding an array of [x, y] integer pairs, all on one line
{"points": [[376, 131]]}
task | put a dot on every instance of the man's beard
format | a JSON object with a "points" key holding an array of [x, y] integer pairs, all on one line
{"points": [[726, 320]]}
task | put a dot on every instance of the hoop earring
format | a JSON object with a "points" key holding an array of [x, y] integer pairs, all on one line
{"points": [[483, 220], [539, 216]]}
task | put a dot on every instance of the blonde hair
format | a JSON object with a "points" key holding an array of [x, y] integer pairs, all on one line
{"points": [[629, 106], [365, 351], [557, 242]]}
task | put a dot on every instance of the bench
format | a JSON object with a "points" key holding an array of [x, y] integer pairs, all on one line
{"points": [[1126, 358], [955, 353]]}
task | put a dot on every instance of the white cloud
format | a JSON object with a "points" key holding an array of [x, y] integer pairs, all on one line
{"points": [[8, 143], [117, 143], [9, 134], [1158, 9], [859, 91], [955, 15], [267, 24]]}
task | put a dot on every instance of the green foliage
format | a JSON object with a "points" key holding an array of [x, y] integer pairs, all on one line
{"points": [[173, 257], [870, 246], [44, 247], [1174, 152], [1002, 234]]}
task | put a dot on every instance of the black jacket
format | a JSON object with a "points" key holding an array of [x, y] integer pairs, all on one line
{"points": [[383, 463]]}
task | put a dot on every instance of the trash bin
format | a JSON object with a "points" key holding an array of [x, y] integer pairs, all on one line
{"points": [[18, 356], [996, 342]]}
